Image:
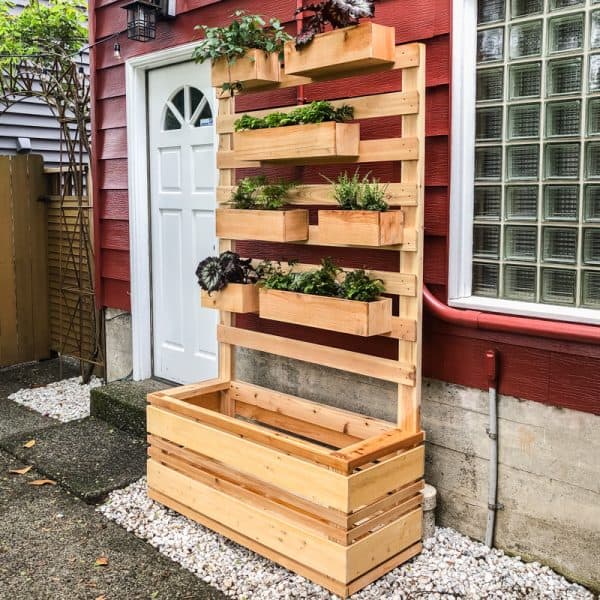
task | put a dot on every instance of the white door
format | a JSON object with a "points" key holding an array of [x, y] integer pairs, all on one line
{"points": [[183, 175]]}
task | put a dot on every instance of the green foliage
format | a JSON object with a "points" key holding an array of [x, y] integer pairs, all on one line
{"points": [[259, 193], [356, 193], [357, 285], [354, 285], [245, 32], [319, 111], [57, 28], [215, 272]]}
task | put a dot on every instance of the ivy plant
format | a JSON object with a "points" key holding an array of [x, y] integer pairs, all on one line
{"points": [[259, 193], [319, 111], [245, 32], [353, 192], [328, 280], [215, 272]]}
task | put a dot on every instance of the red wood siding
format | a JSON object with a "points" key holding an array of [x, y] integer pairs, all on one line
{"points": [[530, 368]]}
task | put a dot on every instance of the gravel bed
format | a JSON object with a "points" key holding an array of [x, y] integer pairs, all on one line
{"points": [[65, 400], [450, 567]]}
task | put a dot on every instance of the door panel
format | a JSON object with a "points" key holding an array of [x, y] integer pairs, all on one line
{"points": [[183, 176]]}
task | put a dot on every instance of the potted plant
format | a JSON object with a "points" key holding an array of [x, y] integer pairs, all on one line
{"points": [[256, 212], [228, 283], [364, 218], [317, 131], [245, 54], [326, 298], [348, 48]]}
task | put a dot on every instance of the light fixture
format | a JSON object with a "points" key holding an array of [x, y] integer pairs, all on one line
{"points": [[142, 16], [117, 50]]}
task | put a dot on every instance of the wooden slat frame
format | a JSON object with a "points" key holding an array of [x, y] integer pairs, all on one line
{"points": [[371, 473]]}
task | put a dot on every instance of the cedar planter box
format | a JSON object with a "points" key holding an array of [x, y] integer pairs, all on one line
{"points": [[255, 69], [298, 142], [341, 51], [235, 298], [332, 495], [324, 312], [267, 225], [361, 227]]}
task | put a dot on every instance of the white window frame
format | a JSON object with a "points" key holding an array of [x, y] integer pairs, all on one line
{"points": [[462, 174]]}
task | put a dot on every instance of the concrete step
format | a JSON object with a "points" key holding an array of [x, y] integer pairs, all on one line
{"points": [[123, 404], [89, 457]]}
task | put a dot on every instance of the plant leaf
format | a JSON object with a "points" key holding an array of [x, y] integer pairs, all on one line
{"points": [[101, 561], [29, 444], [42, 482], [21, 471]]}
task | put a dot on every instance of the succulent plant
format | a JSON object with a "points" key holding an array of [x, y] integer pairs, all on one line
{"points": [[337, 13]]}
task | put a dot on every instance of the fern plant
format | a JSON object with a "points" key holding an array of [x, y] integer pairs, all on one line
{"points": [[356, 193], [258, 193], [319, 111]]}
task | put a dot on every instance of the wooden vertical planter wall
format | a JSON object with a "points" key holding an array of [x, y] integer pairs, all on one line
{"points": [[332, 495]]}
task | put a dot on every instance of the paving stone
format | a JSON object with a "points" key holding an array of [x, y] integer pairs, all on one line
{"points": [[88, 457], [50, 540], [15, 419], [123, 403]]}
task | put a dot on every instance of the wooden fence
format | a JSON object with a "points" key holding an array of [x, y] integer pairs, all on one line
{"points": [[46, 266], [24, 324]]}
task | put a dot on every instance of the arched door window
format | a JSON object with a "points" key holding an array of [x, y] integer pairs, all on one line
{"points": [[188, 107]]}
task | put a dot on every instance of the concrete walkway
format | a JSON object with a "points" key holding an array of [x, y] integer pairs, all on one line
{"points": [[53, 544]]}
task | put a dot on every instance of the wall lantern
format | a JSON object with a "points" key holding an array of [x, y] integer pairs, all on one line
{"points": [[142, 16]]}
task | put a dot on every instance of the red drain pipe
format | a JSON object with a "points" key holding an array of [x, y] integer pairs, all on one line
{"points": [[476, 319]]}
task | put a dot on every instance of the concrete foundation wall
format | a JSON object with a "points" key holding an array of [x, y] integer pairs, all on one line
{"points": [[117, 331], [549, 473]]}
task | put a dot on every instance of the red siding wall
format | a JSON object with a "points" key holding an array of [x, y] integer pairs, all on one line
{"points": [[530, 369]]}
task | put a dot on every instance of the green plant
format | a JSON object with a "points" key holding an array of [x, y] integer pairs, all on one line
{"points": [[357, 285], [325, 281], [356, 193], [215, 272], [319, 111], [259, 193], [245, 32]]}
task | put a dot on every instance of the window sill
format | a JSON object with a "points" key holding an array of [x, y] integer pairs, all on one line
{"points": [[528, 309]]}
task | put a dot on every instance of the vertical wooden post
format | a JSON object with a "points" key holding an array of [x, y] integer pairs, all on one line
{"points": [[413, 172], [226, 177]]}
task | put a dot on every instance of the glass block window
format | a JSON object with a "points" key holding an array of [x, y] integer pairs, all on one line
{"points": [[536, 231]]}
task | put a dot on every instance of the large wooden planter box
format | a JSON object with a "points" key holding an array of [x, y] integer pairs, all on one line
{"points": [[330, 494], [323, 312], [235, 298], [342, 50], [255, 69], [361, 227], [297, 142], [268, 225]]}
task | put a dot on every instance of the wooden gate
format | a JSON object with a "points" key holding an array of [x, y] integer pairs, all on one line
{"points": [[24, 329]]}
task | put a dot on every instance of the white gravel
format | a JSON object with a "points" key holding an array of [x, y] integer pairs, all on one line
{"points": [[450, 567], [64, 400]]}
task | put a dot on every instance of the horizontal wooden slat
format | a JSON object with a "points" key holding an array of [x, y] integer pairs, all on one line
{"points": [[365, 107], [398, 194], [371, 449], [288, 472], [354, 362], [272, 439], [408, 245], [380, 150], [336, 419]]}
